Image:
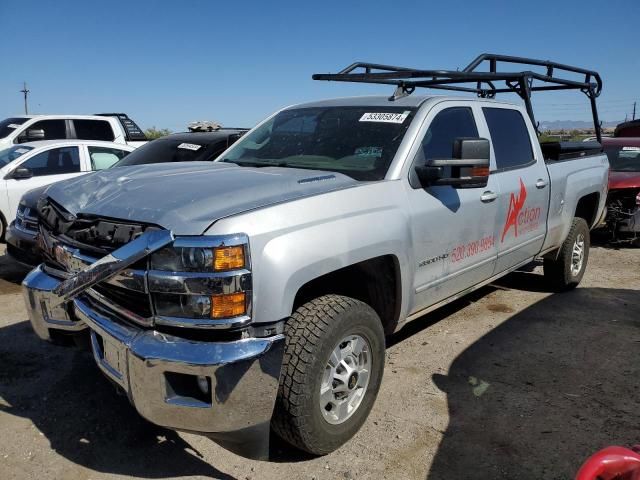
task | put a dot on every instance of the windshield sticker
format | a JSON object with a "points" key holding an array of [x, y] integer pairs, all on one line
{"points": [[21, 150], [631, 149], [368, 152], [385, 117], [190, 146], [13, 125]]}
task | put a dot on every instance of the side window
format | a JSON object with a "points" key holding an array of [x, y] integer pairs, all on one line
{"points": [[103, 157], [445, 128], [53, 129], [510, 137], [93, 130], [54, 162]]}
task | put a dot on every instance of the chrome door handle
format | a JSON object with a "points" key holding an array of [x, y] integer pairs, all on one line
{"points": [[541, 183], [488, 196]]}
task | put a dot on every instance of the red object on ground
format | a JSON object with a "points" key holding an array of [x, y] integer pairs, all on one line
{"points": [[612, 463]]}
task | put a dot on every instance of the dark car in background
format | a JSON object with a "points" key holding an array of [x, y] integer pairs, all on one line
{"points": [[178, 147], [184, 147], [623, 200]]}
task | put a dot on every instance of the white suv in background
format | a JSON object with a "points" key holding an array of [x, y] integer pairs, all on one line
{"points": [[108, 127], [30, 165]]}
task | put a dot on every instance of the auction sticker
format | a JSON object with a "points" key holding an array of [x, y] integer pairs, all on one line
{"points": [[385, 117], [21, 150], [13, 125], [190, 146]]}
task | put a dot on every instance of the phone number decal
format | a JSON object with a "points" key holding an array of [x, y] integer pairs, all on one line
{"points": [[472, 249]]}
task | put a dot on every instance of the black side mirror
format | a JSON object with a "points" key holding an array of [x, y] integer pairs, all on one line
{"points": [[469, 167], [31, 135], [21, 173]]}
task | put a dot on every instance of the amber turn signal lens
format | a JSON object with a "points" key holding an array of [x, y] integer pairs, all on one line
{"points": [[480, 171], [228, 305], [228, 258]]}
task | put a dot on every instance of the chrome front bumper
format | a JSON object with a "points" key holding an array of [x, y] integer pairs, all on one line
{"points": [[160, 372]]}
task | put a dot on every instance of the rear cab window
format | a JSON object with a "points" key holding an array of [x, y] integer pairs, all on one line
{"points": [[93, 130], [510, 138]]}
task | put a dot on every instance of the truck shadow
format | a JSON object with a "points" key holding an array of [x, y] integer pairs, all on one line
{"points": [[531, 399], [537, 395], [62, 392]]}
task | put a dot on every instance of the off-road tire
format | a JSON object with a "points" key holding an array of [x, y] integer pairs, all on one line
{"points": [[557, 272], [3, 228], [311, 334]]}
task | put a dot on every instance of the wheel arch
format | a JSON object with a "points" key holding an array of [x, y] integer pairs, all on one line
{"points": [[376, 281]]}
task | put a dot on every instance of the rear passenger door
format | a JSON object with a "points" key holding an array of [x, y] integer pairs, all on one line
{"points": [[524, 187]]}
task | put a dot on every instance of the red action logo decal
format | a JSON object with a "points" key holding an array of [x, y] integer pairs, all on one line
{"points": [[516, 202]]}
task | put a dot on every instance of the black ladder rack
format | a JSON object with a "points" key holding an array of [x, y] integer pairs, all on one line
{"points": [[522, 83]]}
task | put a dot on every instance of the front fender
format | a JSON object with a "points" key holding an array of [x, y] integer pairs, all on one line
{"points": [[299, 241]]}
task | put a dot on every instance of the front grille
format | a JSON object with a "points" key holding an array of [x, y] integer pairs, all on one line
{"points": [[95, 235], [135, 302], [27, 220]]}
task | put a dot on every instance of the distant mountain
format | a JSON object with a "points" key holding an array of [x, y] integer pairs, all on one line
{"points": [[573, 124]]}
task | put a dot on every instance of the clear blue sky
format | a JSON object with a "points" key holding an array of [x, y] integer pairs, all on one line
{"points": [[168, 63]]}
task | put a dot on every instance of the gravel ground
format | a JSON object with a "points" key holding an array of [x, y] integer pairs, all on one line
{"points": [[511, 382]]}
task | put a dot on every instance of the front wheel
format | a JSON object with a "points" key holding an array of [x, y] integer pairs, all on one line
{"points": [[566, 271], [331, 373]]}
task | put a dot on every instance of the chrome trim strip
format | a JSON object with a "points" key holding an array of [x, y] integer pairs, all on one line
{"points": [[196, 283], [203, 323], [113, 263], [211, 241], [127, 314]]}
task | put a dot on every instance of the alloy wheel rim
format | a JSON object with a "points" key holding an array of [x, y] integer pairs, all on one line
{"points": [[577, 255], [345, 379]]}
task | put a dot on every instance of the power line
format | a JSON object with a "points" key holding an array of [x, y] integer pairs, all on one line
{"points": [[25, 91]]}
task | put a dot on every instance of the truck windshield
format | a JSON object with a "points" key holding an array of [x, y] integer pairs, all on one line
{"points": [[8, 125], [357, 141], [624, 159], [10, 154]]}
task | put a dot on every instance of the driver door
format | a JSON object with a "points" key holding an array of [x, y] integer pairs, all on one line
{"points": [[453, 229], [47, 167]]}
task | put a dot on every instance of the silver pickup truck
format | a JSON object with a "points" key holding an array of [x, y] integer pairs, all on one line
{"points": [[256, 292]]}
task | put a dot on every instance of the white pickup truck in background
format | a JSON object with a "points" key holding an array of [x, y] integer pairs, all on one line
{"points": [[107, 127]]}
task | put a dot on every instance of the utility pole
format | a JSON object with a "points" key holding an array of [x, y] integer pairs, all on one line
{"points": [[26, 93], [634, 111]]}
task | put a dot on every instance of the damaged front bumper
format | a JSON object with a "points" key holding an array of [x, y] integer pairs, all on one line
{"points": [[225, 389]]}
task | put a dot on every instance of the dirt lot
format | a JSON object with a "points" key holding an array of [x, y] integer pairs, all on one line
{"points": [[513, 382]]}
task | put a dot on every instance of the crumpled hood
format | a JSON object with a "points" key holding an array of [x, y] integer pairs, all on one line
{"points": [[188, 197], [623, 180]]}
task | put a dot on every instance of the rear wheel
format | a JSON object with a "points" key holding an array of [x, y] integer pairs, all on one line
{"points": [[3, 228], [332, 368], [566, 271]]}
